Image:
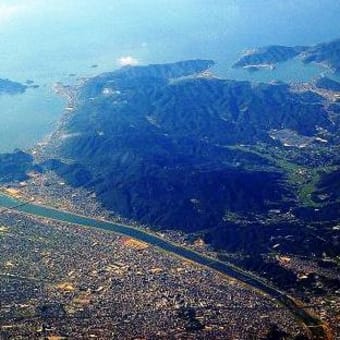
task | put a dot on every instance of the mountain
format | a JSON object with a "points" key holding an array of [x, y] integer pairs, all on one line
{"points": [[14, 166], [249, 170], [328, 84], [173, 147]]}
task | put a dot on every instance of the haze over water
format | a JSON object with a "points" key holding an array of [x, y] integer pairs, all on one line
{"points": [[46, 40]]}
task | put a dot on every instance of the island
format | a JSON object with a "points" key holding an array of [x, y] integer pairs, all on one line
{"points": [[10, 87], [267, 56], [327, 54]]}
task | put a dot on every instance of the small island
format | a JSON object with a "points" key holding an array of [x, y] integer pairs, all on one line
{"points": [[10, 87]]}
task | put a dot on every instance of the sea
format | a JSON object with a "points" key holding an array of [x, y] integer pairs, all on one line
{"points": [[49, 41]]}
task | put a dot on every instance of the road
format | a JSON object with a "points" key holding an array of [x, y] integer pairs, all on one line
{"points": [[316, 328]]}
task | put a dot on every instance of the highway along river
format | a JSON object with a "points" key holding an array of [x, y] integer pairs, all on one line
{"points": [[315, 326]]}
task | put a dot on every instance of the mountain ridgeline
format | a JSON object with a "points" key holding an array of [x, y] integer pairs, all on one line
{"points": [[170, 146]]}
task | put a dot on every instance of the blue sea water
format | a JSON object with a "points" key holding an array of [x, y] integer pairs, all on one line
{"points": [[46, 40]]}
